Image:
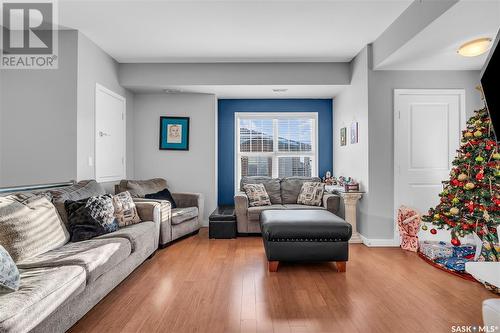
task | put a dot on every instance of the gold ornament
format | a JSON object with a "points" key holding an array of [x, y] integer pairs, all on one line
{"points": [[462, 177], [468, 134], [436, 216], [478, 133], [454, 210], [469, 186]]}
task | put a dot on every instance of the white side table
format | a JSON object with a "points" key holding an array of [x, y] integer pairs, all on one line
{"points": [[350, 204]]}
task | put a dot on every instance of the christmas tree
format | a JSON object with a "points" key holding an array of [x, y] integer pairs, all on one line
{"points": [[470, 200]]}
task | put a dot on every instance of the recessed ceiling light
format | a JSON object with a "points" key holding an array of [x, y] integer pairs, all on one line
{"points": [[474, 47], [280, 90]]}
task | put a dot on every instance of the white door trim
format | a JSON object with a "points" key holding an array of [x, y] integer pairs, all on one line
{"points": [[398, 93], [99, 87]]}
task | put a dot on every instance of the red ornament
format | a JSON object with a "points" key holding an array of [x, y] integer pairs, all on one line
{"points": [[465, 226], [455, 182], [455, 242], [433, 231], [480, 176], [488, 147]]}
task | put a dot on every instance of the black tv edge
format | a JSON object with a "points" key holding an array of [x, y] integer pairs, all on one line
{"points": [[490, 79]]}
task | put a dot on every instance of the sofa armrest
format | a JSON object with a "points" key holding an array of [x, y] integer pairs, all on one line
{"points": [[241, 202], [331, 202], [157, 211], [187, 199]]}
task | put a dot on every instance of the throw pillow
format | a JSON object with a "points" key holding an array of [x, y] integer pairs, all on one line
{"points": [[163, 195], [139, 188], [81, 190], [257, 195], [30, 226], [311, 194], [9, 274], [91, 217], [125, 210]]}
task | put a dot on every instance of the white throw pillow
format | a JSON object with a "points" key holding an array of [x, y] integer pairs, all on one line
{"points": [[311, 194], [257, 195]]}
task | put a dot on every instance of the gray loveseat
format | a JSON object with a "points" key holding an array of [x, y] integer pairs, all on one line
{"points": [[283, 194], [177, 222], [60, 286]]}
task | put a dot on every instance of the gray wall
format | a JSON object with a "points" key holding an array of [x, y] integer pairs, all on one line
{"points": [[381, 85], [185, 171], [38, 133], [96, 66], [351, 105], [155, 76]]}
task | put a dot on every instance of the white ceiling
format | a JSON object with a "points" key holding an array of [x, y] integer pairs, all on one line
{"points": [[252, 91], [435, 48], [231, 31]]}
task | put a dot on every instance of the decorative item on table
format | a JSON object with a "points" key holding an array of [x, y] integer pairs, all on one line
{"points": [[354, 132], [349, 184], [343, 136], [174, 133], [433, 250], [328, 179], [409, 224]]}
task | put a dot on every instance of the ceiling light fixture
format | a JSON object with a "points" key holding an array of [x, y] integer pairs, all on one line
{"points": [[280, 90], [475, 47], [172, 90]]}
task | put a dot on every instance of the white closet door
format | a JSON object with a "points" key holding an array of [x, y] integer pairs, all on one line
{"points": [[110, 136]]}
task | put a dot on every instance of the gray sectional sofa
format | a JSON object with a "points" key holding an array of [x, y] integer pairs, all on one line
{"points": [[283, 194], [60, 286], [178, 222]]}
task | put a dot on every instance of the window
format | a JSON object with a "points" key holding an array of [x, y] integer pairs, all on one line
{"points": [[276, 144]]}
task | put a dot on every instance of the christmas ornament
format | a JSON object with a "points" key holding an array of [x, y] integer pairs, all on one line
{"points": [[454, 211], [455, 200], [436, 216], [479, 159], [462, 177], [469, 186], [478, 133], [433, 231], [496, 156], [468, 134], [480, 176], [455, 242], [424, 227]]}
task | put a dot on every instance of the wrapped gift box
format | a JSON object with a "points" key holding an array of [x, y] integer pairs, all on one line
{"points": [[434, 250], [464, 251], [455, 264]]}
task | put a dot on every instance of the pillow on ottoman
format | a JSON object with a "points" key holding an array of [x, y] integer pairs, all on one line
{"points": [[311, 194], [125, 210], [257, 195], [92, 217], [30, 225], [9, 274]]}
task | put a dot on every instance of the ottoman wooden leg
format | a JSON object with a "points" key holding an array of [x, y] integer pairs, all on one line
{"points": [[341, 266], [273, 266]]}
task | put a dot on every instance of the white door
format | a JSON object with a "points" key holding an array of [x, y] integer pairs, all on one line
{"points": [[109, 135], [427, 132]]}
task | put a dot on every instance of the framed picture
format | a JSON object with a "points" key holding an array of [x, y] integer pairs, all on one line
{"points": [[343, 136], [174, 133], [354, 132]]}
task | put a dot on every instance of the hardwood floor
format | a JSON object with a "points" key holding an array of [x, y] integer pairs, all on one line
{"points": [[202, 285]]}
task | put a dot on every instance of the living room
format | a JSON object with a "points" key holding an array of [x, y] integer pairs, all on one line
{"points": [[234, 166]]}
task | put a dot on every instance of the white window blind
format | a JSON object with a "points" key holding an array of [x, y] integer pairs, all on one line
{"points": [[276, 144]]}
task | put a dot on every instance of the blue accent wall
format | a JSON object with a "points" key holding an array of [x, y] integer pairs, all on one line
{"points": [[226, 136]]}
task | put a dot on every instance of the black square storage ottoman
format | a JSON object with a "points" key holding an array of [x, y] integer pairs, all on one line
{"points": [[305, 235], [222, 223]]}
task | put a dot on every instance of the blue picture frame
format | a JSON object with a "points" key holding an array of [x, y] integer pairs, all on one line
{"points": [[174, 133]]}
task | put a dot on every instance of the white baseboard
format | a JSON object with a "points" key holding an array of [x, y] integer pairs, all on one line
{"points": [[381, 242]]}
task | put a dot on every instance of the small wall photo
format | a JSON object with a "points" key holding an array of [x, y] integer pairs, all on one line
{"points": [[174, 133], [343, 136]]}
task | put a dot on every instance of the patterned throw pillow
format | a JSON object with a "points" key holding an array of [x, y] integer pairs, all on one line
{"points": [[125, 210], [257, 195], [92, 217], [311, 194], [9, 274]]}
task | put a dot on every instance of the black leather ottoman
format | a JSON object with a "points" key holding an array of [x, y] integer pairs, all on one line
{"points": [[305, 235]]}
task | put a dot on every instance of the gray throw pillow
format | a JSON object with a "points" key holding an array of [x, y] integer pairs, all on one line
{"points": [[257, 195], [9, 274], [311, 194], [30, 225]]}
